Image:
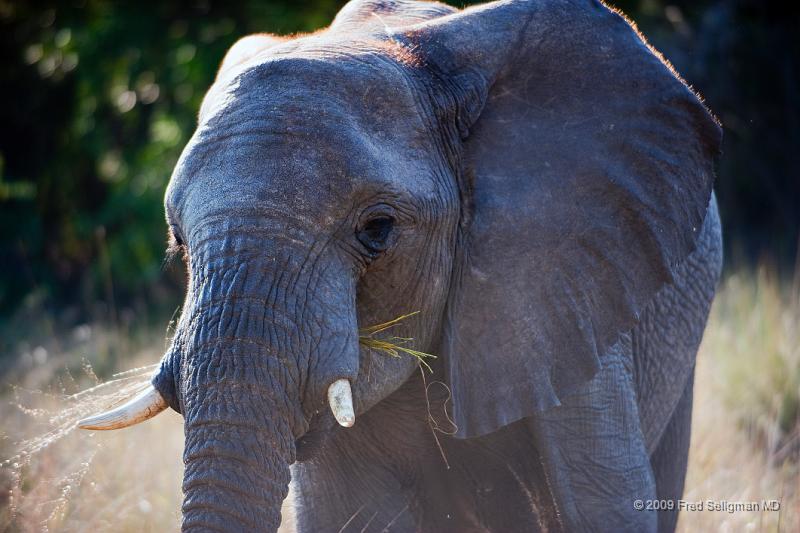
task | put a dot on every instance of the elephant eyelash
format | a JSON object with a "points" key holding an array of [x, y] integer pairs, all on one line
{"points": [[175, 248]]}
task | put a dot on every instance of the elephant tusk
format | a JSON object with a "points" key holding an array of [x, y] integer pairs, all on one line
{"points": [[340, 398], [143, 406]]}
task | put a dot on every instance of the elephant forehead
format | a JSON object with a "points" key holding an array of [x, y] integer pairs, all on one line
{"points": [[305, 136], [368, 79]]}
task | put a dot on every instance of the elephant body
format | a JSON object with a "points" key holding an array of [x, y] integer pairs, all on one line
{"points": [[530, 185], [398, 469]]}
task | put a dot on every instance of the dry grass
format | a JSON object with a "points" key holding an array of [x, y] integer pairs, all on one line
{"points": [[744, 445], [392, 346], [745, 442], [63, 479]]}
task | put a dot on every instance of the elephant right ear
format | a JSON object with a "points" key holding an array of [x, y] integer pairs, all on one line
{"points": [[587, 170]]}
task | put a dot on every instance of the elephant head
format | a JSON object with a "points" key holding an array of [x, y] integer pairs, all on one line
{"points": [[525, 175]]}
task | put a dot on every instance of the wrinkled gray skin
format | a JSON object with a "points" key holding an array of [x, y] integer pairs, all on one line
{"points": [[534, 181]]}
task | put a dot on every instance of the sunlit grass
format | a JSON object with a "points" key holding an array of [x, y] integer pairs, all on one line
{"points": [[56, 477], [744, 442], [64, 479]]}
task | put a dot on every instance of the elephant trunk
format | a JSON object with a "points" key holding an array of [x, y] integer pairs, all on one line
{"points": [[239, 372], [238, 450], [242, 413]]}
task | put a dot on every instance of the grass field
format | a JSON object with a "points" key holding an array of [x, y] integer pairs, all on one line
{"points": [[745, 441]]}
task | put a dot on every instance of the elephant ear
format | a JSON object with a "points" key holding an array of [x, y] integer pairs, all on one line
{"points": [[587, 171]]}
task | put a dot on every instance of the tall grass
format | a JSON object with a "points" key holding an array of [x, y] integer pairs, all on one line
{"points": [[57, 478], [746, 432], [744, 441]]}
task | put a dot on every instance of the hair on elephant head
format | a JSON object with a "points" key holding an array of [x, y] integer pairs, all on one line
{"points": [[526, 175]]}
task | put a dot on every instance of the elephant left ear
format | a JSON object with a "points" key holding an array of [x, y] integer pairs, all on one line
{"points": [[587, 171]]}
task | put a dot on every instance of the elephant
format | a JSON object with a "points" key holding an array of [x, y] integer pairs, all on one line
{"points": [[534, 182]]}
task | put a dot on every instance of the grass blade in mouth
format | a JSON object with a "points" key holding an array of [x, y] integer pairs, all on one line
{"points": [[392, 346]]}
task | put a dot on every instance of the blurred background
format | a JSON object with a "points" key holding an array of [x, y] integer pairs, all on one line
{"points": [[100, 98]]}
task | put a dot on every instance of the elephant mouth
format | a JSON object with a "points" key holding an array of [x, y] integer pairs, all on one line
{"points": [[313, 443]]}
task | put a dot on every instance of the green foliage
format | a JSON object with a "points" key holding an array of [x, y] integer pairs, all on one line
{"points": [[99, 101]]}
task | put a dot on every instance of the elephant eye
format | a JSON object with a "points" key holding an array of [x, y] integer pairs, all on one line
{"points": [[375, 233], [175, 245]]}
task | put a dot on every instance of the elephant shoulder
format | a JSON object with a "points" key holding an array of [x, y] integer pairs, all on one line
{"points": [[666, 339]]}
